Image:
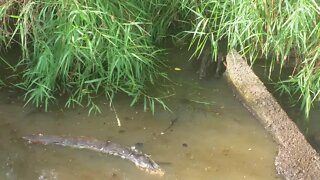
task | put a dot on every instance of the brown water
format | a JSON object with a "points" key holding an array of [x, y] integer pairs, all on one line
{"points": [[213, 137]]}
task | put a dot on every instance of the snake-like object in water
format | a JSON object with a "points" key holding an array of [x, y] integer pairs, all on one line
{"points": [[142, 161]]}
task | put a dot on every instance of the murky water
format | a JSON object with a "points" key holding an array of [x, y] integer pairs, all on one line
{"points": [[213, 136]]}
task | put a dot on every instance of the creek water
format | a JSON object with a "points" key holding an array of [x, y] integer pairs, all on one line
{"points": [[208, 135]]}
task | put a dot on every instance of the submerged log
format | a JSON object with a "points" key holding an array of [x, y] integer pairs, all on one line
{"points": [[296, 159], [142, 161]]}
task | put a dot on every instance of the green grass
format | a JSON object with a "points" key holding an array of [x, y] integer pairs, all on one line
{"points": [[88, 48], [280, 31]]}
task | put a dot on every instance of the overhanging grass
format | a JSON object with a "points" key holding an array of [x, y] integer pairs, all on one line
{"points": [[276, 30], [83, 48], [86, 47]]}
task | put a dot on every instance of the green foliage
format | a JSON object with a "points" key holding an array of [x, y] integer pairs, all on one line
{"points": [[276, 30], [83, 48]]}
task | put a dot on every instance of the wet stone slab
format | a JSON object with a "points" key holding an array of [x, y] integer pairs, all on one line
{"points": [[296, 159]]}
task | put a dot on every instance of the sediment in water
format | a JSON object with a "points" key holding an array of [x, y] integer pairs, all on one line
{"points": [[296, 159]]}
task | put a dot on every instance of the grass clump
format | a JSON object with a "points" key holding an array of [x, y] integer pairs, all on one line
{"points": [[83, 48], [283, 32]]}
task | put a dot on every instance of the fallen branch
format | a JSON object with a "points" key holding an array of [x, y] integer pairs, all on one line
{"points": [[141, 160]]}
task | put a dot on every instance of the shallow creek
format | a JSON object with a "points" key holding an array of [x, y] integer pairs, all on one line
{"points": [[208, 135]]}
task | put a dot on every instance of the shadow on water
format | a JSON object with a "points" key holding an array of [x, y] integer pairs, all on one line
{"points": [[208, 135]]}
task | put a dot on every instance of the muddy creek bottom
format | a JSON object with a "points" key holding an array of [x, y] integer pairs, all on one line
{"points": [[208, 135]]}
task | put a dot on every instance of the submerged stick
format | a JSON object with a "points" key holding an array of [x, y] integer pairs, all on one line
{"points": [[142, 161], [117, 117]]}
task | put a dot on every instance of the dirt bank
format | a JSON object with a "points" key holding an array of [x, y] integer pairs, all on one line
{"points": [[296, 159]]}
